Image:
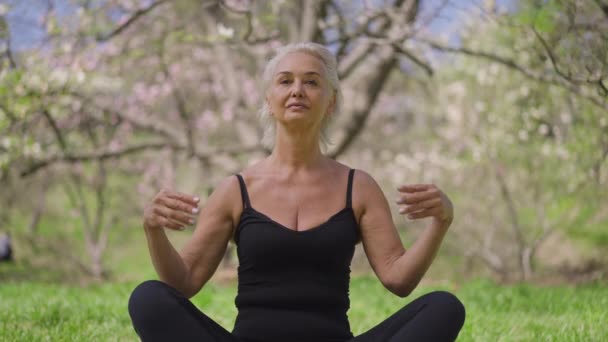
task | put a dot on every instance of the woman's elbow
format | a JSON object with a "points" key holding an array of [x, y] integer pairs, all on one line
{"points": [[401, 292], [399, 288]]}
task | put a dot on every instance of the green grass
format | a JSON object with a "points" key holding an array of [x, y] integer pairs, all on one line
{"points": [[32, 311]]}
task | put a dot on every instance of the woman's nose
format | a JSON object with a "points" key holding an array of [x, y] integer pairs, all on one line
{"points": [[296, 89]]}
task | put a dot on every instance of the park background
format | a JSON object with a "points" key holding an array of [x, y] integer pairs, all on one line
{"points": [[502, 104]]}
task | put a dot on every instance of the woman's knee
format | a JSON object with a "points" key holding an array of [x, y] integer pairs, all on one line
{"points": [[447, 303], [150, 299]]}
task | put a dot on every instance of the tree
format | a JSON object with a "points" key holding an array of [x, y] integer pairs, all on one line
{"points": [[119, 80], [153, 90]]}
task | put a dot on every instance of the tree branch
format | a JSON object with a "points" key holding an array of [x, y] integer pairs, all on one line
{"points": [[248, 16], [56, 130], [118, 153], [179, 100], [555, 63], [136, 16], [9, 52], [62, 251], [603, 7], [386, 61], [516, 227], [425, 66], [514, 65], [309, 30], [11, 116], [374, 86]]}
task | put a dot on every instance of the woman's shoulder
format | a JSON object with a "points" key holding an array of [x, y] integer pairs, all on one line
{"points": [[252, 171], [227, 189], [360, 176], [363, 183]]}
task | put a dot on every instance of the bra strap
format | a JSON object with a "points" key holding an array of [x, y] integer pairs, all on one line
{"points": [[349, 192], [244, 194]]}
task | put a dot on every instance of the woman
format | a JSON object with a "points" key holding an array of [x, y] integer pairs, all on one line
{"points": [[295, 217]]}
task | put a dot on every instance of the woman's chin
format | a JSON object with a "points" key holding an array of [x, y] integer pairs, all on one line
{"points": [[298, 120], [298, 115]]}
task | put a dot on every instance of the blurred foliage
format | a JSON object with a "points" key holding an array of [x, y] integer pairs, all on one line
{"points": [[124, 98]]}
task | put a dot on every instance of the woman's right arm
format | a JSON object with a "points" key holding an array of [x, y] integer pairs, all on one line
{"points": [[188, 270]]}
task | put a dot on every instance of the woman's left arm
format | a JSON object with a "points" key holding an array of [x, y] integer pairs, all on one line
{"points": [[398, 269]]}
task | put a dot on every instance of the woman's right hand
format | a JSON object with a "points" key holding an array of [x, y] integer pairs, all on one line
{"points": [[170, 209]]}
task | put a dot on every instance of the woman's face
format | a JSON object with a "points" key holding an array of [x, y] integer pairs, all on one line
{"points": [[299, 92]]}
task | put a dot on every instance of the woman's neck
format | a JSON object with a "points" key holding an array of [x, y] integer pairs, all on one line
{"points": [[294, 153]]}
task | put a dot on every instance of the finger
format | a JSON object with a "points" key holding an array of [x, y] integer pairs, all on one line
{"points": [[413, 198], [424, 213], [178, 205], [413, 187], [430, 203], [174, 215], [165, 222], [190, 199]]}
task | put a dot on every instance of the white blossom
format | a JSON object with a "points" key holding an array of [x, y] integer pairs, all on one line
{"points": [[224, 31], [6, 142], [523, 135]]}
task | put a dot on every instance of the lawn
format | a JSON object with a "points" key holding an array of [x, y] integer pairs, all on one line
{"points": [[43, 312]]}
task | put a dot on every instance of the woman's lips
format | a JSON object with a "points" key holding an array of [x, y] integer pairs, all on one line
{"points": [[297, 106]]}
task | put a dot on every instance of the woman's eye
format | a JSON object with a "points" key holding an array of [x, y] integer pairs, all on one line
{"points": [[284, 82], [312, 82]]}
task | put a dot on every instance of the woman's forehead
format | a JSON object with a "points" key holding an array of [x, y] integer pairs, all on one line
{"points": [[300, 63]]}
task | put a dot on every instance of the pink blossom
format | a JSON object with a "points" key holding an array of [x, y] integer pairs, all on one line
{"points": [[166, 88], [175, 69], [227, 112], [207, 121], [114, 145]]}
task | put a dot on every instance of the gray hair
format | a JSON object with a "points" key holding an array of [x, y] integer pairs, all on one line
{"points": [[331, 74]]}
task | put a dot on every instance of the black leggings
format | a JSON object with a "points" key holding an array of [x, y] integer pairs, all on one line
{"points": [[161, 313]]}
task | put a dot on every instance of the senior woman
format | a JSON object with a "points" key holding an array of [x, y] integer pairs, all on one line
{"points": [[295, 217]]}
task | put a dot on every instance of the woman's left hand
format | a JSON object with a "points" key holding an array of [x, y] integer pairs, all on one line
{"points": [[425, 200]]}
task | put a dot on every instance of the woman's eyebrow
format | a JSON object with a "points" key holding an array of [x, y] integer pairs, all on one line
{"points": [[291, 73]]}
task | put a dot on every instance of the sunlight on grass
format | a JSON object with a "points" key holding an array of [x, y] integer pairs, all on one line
{"points": [[42, 312]]}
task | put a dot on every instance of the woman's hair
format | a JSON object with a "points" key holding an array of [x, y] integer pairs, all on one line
{"points": [[331, 74]]}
